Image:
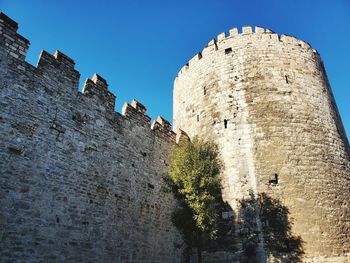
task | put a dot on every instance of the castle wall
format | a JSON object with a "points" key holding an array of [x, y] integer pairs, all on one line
{"points": [[79, 182], [265, 99]]}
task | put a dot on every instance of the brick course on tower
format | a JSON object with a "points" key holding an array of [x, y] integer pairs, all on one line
{"points": [[82, 183]]}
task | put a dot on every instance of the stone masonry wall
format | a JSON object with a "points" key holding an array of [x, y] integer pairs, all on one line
{"points": [[79, 182], [266, 100]]}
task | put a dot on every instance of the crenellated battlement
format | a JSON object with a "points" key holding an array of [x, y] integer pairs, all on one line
{"points": [[61, 62], [161, 125], [181, 135], [247, 35], [136, 110], [97, 87], [60, 69], [15, 44], [64, 59]]}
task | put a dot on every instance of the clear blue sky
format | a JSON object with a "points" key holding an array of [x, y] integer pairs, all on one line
{"points": [[139, 46]]}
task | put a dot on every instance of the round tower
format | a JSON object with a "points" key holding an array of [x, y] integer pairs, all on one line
{"points": [[266, 101]]}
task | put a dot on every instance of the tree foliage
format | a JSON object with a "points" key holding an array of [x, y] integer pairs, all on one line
{"points": [[194, 173]]}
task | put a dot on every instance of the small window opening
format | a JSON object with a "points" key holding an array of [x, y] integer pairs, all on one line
{"points": [[274, 181], [225, 123], [204, 90], [57, 219], [228, 50], [197, 117], [14, 150], [286, 77]]}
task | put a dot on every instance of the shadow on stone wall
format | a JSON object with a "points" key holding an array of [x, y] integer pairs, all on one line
{"points": [[259, 232], [276, 227], [225, 241], [279, 242]]}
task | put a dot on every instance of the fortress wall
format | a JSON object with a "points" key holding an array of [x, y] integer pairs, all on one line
{"points": [[79, 182], [265, 99]]}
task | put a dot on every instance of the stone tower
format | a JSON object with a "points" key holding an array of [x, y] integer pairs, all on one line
{"points": [[266, 101]]}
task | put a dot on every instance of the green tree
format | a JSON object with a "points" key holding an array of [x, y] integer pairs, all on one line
{"points": [[194, 173]]}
